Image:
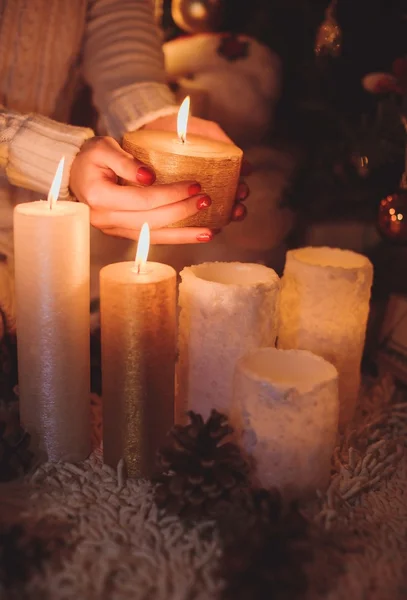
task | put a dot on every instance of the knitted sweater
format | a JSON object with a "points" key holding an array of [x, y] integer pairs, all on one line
{"points": [[45, 47]]}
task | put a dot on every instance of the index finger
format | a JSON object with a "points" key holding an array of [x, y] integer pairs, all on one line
{"points": [[130, 198]]}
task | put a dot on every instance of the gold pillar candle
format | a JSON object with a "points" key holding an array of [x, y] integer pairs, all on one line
{"points": [[214, 164], [324, 308], [138, 321], [285, 414], [226, 310], [51, 241]]}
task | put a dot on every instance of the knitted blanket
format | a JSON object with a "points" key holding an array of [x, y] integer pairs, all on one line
{"points": [[122, 547]]}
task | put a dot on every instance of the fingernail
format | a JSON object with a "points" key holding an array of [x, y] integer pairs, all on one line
{"points": [[145, 175], [194, 189], [242, 192], [203, 202], [246, 169], [240, 213], [204, 237]]}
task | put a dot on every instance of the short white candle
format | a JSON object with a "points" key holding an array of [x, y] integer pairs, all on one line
{"points": [[227, 309], [285, 413], [51, 241], [324, 308]]}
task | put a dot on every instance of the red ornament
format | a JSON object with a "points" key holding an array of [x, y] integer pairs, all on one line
{"points": [[392, 221], [233, 48]]}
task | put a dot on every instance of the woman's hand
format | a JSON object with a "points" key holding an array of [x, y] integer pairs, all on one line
{"points": [[211, 130], [121, 210]]}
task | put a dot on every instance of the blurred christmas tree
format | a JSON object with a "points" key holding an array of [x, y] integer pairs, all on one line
{"points": [[351, 142]]}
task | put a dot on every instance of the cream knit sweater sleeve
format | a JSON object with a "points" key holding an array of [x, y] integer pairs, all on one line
{"points": [[31, 147], [124, 64]]}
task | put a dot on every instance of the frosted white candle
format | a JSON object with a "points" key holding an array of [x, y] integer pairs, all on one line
{"points": [[52, 314], [324, 308], [285, 413], [227, 309]]}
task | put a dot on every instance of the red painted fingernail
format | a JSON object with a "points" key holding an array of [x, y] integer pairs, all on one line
{"points": [[240, 213], [242, 192], [194, 189], [203, 202], [204, 237], [145, 175], [246, 169]]}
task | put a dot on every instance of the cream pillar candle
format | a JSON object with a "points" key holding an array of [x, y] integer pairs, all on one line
{"points": [[324, 308], [226, 309], [138, 319], [216, 165], [285, 414], [51, 242]]}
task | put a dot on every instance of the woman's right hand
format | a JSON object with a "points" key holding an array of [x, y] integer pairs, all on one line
{"points": [[121, 210]]}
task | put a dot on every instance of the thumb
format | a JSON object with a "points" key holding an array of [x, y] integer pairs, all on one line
{"points": [[124, 165]]}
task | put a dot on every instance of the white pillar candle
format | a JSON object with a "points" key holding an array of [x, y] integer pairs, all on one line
{"points": [[285, 414], [227, 309], [324, 308], [51, 242]]}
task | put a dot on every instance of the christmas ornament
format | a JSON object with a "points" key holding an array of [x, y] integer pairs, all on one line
{"points": [[264, 548], [197, 16], [329, 36], [392, 219], [385, 83], [233, 48], [15, 456], [200, 471]]}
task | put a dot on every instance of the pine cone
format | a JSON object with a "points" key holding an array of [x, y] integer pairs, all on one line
{"points": [[15, 456], [265, 549], [199, 471]]}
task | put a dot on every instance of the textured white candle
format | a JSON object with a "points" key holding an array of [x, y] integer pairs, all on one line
{"points": [[285, 413], [52, 311], [227, 309], [324, 308]]}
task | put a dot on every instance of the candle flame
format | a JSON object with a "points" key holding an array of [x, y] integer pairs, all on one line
{"points": [[182, 120], [56, 184], [143, 247]]}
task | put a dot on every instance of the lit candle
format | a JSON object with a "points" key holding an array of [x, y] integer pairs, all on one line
{"points": [[285, 414], [216, 165], [51, 241], [138, 319], [227, 309], [324, 309]]}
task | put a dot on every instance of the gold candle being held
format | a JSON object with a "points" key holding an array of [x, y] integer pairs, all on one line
{"points": [[51, 241], [138, 315], [215, 165]]}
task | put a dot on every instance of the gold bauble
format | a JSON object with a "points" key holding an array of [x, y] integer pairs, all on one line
{"points": [[197, 16]]}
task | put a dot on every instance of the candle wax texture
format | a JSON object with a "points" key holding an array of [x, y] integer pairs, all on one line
{"points": [[227, 309], [285, 414], [324, 308], [138, 320], [215, 165], [52, 312]]}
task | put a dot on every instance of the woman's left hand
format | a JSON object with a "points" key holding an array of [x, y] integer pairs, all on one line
{"points": [[212, 130]]}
